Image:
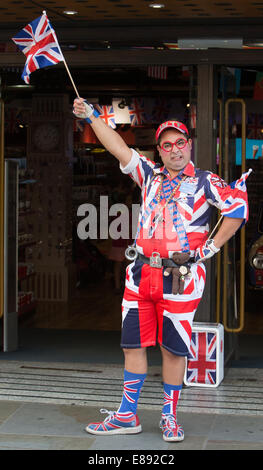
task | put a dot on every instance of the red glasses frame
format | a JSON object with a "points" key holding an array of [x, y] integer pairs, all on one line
{"points": [[180, 147]]}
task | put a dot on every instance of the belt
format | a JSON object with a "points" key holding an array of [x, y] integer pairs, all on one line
{"points": [[155, 261]]}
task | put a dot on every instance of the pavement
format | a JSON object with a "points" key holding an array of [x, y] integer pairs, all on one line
{"points": [[38, 426], [35, 414]]}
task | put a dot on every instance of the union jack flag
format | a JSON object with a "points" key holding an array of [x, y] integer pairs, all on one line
{"points": [[234, 201], [137, 112], [201, 366], [38, 42], [107, 114]]}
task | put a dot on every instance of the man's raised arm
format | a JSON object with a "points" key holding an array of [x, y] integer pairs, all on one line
{"points": [[110, 139]]}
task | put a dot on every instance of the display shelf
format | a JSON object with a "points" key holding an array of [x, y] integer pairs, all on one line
{"points": [[51, 197], [25, 213], [29, 181], [26, 244], [25, 271], [26, 240], [27, 276]]}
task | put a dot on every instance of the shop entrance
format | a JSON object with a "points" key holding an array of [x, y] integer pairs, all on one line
{"points": [[201, 95], [239, 267], [68, 282]]}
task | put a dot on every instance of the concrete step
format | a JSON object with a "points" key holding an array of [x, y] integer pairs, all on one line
{"points": [[100, 385]]}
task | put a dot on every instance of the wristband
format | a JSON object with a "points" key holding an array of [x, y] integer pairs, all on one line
{"points": [[89, 111], [210, 244], [95, 113]]}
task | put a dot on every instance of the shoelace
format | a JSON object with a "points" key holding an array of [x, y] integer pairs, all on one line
{"points": [[169, 421], [110, 413]]}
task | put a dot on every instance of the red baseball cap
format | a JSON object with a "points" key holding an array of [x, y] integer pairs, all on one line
{"points": [[179, 126]]}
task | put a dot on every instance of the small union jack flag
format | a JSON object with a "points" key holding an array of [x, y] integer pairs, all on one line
{"points": [[241, 182], [38, 42], [234, 201], [201, 367], [107, 114], [137, 112]]}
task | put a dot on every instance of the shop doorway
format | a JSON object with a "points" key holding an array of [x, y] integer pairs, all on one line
{"points": [[94, 301], [238, 266], [94, 305]]}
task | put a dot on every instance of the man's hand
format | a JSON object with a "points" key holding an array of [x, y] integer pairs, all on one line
{"points": [[83, 110], [206, 251]]}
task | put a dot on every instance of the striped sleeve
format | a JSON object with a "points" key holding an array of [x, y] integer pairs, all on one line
{"points": [[139, 168]]}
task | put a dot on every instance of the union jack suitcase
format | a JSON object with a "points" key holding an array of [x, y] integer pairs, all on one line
{"points": [[205, 364]]}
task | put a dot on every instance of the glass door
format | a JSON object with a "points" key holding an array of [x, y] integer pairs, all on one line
{"points": [[2, 172], [230, 300], [10, 316]]}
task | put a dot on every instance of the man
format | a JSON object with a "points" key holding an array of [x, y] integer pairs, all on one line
{"points": [[165, 282]]}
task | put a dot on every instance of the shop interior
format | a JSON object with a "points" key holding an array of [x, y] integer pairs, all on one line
{"points": [[67, 284]]}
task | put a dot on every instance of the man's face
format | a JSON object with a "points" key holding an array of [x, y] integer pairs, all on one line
{"points": [[177, 158]]}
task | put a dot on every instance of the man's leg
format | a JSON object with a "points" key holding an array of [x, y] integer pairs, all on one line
{"points": [[135, 360], [139, 325], [125, 420], [173, 374], [135, 372], [175, 317], [173, 367]]}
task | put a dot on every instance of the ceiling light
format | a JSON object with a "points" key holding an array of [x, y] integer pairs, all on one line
{"points": [[156, 5], [70, 12], [21, 87], [199, 43]]}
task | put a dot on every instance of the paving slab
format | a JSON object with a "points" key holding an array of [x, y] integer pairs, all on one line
{"points": [[32, 426]]}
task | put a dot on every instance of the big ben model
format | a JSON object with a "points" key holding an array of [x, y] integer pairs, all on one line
{"points": [[49, 157]]}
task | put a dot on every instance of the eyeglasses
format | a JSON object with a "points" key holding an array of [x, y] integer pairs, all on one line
{"points": [[180, 143]]}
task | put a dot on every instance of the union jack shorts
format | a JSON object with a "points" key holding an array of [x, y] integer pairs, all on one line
{"points": [[148, 303]]}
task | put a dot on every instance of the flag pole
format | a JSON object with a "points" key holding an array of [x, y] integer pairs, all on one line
{"points": [[65, 63], [214, 229]]}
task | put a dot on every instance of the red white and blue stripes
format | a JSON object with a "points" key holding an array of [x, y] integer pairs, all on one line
{"points": [[171, 430], [115, 423], [197, 194], [171, 397], [38, 42], [133, 384], [148, 303], [125, 420]]}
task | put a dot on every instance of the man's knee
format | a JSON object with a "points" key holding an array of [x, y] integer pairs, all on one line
{"points": [[170, 355], [135, 360], [132, 352]]}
